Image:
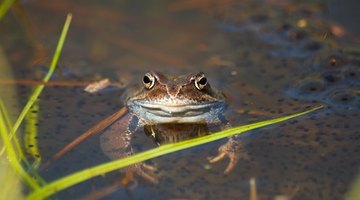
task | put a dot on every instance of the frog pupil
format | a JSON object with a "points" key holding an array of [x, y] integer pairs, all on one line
{"points": [[146, 80], [202, 81]]}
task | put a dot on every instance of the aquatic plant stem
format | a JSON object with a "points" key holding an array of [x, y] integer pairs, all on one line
{"points": [[39, 88], [86, 174], [48, 75], [6, 136], [11, 153]]}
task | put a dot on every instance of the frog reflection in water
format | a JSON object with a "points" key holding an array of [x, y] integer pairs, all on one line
{"points": [[170, 108]]}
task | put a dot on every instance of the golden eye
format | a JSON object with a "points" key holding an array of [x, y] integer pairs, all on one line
{"points": [[200, 82], [149, 81]]}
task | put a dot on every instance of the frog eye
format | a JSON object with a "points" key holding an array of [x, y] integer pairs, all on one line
{"points": [[200, 82], [149, 81]]}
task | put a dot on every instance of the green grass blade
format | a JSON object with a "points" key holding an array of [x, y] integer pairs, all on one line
{"points": [[39, 88], [7, 120], [86, 174], [11, 153], [4, 7], [6, 115], [48, 75]]}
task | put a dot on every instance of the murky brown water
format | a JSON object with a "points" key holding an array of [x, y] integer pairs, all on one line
{"points": [[273, 57]]}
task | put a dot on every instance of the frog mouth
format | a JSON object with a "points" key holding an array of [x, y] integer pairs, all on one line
{"points": [[177, 110]]}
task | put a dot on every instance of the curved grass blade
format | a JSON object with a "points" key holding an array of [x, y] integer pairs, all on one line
{"points": [[86, 174], [4, 130], [39, 88]]}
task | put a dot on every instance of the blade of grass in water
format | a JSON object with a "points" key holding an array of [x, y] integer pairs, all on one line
{"points": [[39, 88], [4, 7], [10, 150], [7, 120], [11, 153], [86, 174]]}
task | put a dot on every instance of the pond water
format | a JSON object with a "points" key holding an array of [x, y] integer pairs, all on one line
{"points": [[271, 58]]}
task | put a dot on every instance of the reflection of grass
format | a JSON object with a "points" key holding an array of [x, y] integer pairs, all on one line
{"points": [[86, 174]]}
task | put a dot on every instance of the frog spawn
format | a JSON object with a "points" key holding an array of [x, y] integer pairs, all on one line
{"points": [[334, 80], [334, 77], [289, 31], [279, 147], [312, 158]]}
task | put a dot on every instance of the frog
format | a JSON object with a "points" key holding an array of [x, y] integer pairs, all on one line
{"points": [[164, 104]]}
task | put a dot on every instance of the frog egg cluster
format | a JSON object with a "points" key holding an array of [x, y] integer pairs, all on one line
{"points": [[334, 80], [329, 75], [291, 34], [290, 40]]}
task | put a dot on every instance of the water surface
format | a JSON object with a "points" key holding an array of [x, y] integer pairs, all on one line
{"points": [[272, 57]]}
